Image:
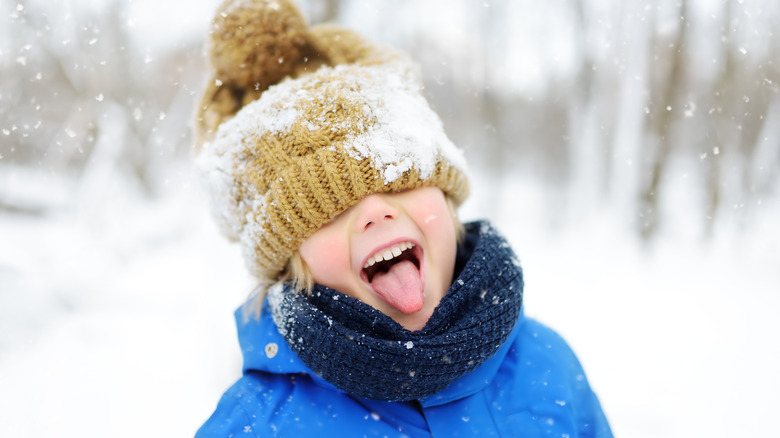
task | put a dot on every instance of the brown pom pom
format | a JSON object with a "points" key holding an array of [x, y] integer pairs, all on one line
{"points": [[338, 45], [217, 105], [256, 43]]}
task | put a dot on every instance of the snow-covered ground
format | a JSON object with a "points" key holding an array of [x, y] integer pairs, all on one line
{"points": [[116, 314]]}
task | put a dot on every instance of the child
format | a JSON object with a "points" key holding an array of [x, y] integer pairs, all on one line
{"points": [[377, 313]]}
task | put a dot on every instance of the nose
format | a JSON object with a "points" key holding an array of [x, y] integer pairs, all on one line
{"points": [[373, 210]]}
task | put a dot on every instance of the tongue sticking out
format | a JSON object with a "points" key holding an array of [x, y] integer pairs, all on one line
{"points": [[400, 286]]}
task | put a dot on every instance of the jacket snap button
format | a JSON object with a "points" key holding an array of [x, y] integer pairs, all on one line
{"points": [[271, 349]]}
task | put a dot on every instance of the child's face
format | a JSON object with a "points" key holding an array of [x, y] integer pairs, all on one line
{"points": [[413, 229]]}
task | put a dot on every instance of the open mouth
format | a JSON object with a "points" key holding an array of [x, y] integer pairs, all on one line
{"points": [[383, 260], [394, 274]]}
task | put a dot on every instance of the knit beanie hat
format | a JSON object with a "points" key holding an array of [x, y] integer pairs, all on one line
{"points": [[298, 124]]}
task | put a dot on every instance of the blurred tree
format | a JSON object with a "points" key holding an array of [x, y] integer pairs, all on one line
{"points": [[596, 98], [667, 73], [739, 101], [83, 99]]}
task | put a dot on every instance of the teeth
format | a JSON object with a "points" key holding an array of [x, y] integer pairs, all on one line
{"points": [[389, 253]]}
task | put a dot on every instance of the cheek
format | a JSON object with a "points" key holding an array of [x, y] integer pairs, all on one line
{"points": [[435, 217], [326, 255], [442, 232], [432, 213], [424, 200], [436, 222]]}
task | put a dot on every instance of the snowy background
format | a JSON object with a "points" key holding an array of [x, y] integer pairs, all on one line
{"points": [[630, 152]]}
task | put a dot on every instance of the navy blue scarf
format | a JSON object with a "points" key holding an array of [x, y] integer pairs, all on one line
{"points": [[367, 354]]}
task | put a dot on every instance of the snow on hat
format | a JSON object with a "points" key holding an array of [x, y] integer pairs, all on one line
{"points": [[298, 124]]}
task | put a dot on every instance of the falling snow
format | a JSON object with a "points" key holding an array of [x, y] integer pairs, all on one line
{"points": [[94, 271]]}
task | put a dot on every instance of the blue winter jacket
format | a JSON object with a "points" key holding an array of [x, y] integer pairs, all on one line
{"points": [[533, 386]]}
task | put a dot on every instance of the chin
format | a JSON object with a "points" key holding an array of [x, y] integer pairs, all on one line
{"points": [[415, 321]]}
